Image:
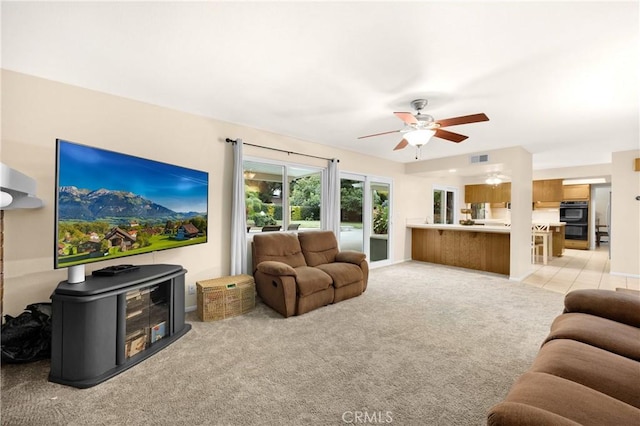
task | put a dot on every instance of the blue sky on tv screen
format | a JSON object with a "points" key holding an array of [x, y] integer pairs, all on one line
{"points": [[177, 188]]}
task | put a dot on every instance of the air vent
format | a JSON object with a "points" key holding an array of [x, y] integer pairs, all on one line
{"points": [[482, 158]]}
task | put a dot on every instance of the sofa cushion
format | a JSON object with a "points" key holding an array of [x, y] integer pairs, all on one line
{"points": [[318, 247], [603, 333], [311, 280], [563, 398], [604, 371], [342, 274], [517, 414], [279, 246], [619, 306]]}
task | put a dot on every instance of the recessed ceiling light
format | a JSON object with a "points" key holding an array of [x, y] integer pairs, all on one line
{"points": [[452, 170]]}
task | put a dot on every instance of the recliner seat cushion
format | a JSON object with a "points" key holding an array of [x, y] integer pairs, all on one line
{"points": [[604, 371], [560, 397], [311, 280], [342, 274]]}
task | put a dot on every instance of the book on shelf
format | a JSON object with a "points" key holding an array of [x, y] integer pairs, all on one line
{"points": [[135, 342], [134, 313], [158, 331]]}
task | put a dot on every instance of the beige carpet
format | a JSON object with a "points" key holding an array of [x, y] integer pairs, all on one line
{"points": [[425, 345]]}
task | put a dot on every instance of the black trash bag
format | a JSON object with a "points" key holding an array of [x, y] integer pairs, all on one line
{"points": [[27, 337]]}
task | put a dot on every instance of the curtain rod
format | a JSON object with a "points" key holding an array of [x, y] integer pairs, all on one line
{"points": [[282, 150]]}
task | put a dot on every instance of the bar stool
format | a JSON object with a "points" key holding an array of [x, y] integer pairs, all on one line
{"points": [[540, 231], [535, 247]]}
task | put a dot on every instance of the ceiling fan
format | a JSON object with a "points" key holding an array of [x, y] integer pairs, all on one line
{"points": [[419, 128]]}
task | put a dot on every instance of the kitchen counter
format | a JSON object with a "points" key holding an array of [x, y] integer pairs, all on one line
{"points": [[500, 229], [497, 222], [480, 247]]}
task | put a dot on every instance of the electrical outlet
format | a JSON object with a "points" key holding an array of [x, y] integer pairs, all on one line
{"points": [[192, 289]]}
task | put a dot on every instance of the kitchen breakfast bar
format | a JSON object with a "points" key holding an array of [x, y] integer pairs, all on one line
{"points": [[481, 247]]}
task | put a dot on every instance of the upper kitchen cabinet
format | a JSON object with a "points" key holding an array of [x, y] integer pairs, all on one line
{"points": [[475, 193], [484, 193], [549, 190], [576, 192], [500, 193]]}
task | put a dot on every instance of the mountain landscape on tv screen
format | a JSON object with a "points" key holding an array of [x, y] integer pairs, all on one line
{"points": [[76, 204]]}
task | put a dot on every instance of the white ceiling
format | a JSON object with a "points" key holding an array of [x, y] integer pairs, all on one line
{"points": [[559, 78]]}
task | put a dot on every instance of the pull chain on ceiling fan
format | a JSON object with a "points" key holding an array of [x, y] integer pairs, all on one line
{"points": [[420, 128]]}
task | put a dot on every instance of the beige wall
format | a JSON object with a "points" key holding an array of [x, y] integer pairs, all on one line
{"points": [[35, 112], [625, 214]]}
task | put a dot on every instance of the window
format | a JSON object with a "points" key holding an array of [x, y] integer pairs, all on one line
{"points": [[289, 197], [305, 203], [263, 189], [478, 210], [444, 205], [282, 195]]}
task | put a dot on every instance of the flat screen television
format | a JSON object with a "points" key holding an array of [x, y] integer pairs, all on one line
{"points": [[110, 205]]}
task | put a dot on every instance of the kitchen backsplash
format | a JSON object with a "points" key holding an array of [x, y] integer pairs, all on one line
{"points": [[545, 215], [537, 215]]}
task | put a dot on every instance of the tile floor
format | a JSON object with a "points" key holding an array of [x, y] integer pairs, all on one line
{"points": [[578, 269]]}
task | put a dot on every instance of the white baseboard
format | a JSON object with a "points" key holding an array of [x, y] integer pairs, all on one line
{"points": [[623, 274]]}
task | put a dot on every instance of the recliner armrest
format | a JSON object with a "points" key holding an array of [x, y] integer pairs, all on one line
{"points": [[273, 267], [613, 305], [350, 256]]}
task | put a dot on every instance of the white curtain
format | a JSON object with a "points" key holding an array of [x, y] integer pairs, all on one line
{"points": [[331, 195], [238, 214]]}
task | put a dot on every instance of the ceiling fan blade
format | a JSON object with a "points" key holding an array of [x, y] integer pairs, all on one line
{"points": [[450, 136], [407, 117], [465, 119], [378, 134], [403, 143]]}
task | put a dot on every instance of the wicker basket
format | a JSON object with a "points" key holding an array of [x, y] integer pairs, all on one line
{"points": [[225, 297]]}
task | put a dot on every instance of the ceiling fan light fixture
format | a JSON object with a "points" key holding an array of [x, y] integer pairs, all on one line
{"points": [[493, 180], [419, 137]]}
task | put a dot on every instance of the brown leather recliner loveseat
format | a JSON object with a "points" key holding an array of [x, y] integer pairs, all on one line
{"points": [[297, 273], [587, 371]]}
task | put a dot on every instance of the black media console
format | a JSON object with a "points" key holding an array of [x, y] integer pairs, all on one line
{"points": [[107, 324]]}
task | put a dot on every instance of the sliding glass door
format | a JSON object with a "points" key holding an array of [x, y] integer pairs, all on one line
{"points": [[380, 205], [351, 213], [365, 212]]}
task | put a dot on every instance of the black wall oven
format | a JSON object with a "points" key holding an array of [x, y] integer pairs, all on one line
{"points": [[576, 216]]}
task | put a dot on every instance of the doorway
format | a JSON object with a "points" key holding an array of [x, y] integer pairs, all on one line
{"points": [[600, 220]]}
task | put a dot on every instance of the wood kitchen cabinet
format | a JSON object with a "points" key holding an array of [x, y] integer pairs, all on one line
{"points": [[558, 240], [484, 193], [576, 192], [500, 193], [548, 190], [475, 193]]}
